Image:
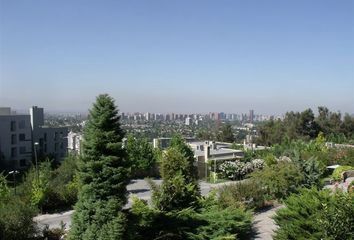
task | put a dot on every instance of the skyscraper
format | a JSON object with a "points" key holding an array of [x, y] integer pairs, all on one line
{"points": [[251, 116]]}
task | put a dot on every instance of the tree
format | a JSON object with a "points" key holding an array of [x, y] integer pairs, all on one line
{"points": [[226, 133], [141, 155], [103, 174], [347, 126], [179, 188], [4, 189], [16, 215], [40, 184]]}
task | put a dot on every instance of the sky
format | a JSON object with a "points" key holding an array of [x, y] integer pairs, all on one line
{"points": [[179, 55]]}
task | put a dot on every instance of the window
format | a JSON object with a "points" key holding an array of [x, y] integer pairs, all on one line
{"points": [[55, 135], [45, 137], [23, 163], [56, 147], [22, 150], [13, 139], [13, 152], [61, 145], [22, 137], [45, 148], [13, 126], [22, 124]]}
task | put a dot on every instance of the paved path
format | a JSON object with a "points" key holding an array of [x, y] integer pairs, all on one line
{"points": [[264, 225], [139, 188]]}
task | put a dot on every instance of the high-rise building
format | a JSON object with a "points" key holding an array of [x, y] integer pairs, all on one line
{"points": [[188, 121], [251, 116], [147, 116]]}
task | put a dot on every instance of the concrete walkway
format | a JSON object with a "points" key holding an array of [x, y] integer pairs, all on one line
{"points": [[264, 225]]}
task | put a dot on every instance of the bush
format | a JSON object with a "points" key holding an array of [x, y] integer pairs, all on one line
{"points": [[233, 170], [226, 223], [210, 222], [238, 170], [313, 171], [63, 186], [316, 214], [16, 220], [54, 233], [337, 173], [247, 193], [279, 180], [258, 164]]}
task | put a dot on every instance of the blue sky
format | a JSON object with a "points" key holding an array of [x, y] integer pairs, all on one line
{"points": [[178, 56]]}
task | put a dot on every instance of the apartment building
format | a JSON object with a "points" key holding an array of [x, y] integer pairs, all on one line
{"points": [[22, 134], [15, 140]]}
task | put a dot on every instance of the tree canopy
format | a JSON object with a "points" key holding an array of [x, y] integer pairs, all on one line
{"points": [[304, 125]]}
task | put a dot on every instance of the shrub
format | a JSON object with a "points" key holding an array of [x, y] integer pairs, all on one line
{"points": [[233, 170], [63, 186], [226, 223], [316, 214], [210, 222], [313, 171], [279, 180], [54, 233], [337, 173], [247, 193], [258, 164], [16, 220]]}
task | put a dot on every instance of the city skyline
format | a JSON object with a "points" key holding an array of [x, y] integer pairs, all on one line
{"points": [[159, 56]]}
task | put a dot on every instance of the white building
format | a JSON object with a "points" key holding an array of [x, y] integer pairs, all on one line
{"points": [[74, 142], [212, 152], [209, 151], [188, 121]]}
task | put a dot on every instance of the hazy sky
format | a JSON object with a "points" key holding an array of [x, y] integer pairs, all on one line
{"points": [[180, 56]]}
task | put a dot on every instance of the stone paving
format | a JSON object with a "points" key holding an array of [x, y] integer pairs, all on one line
{"points": [[264, 225]]}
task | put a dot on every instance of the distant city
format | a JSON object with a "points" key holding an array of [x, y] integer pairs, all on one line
{"points": [[196, 117], [34, 134]]}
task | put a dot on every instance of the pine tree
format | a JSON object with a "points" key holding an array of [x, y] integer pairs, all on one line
{"points": [[103, 174]]}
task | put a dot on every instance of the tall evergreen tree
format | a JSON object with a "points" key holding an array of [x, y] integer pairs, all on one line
{"points": [[103, 174]]}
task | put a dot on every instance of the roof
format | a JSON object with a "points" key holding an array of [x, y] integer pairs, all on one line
{"points": [[333, 166], [218, 152]]}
